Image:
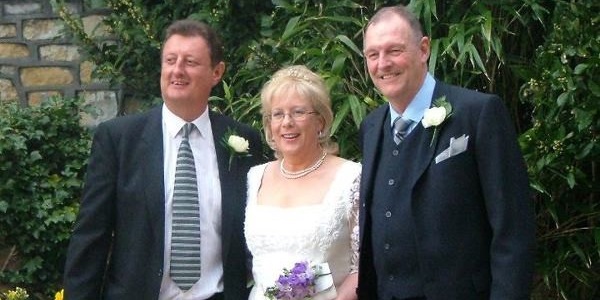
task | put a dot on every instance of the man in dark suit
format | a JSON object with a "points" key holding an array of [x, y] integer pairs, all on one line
{"points": [[121, 244], [445, 206]]}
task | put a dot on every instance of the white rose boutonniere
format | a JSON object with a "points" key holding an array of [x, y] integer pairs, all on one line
{"points": [[436, 115], [236, 145]]}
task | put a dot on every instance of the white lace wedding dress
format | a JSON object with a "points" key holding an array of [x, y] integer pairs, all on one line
{"points": [[327, 232]]}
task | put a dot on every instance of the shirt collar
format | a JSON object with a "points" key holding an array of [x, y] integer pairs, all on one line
{"points": [[417, 106], [174, 123]]}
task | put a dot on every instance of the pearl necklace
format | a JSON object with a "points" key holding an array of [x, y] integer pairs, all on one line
{"points": [[295, 175]]}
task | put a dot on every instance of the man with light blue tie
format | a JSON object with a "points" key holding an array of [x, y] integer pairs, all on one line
{"points": [[164, 197], [445, 207]]}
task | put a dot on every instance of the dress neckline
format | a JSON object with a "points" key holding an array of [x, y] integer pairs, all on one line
{"points": [[328, 195]]}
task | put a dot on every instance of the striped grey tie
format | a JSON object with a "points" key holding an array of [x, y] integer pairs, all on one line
{"points": [[400, 129], [185, 230]]}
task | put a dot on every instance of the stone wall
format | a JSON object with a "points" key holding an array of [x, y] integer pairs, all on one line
{"points": [[37, 61]]}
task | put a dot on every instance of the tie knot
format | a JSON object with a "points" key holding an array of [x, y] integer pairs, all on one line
{"points": [[187, 128], [401, 126], [400, 129]]}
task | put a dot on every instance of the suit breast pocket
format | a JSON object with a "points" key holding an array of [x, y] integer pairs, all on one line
{"points": [[456, 147]]}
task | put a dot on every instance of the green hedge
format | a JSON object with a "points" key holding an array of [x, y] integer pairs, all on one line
{"points": [[562, 150], [44, 152]]}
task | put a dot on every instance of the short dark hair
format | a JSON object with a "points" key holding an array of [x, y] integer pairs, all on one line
{"points": [[401, 11], [190, 28]]}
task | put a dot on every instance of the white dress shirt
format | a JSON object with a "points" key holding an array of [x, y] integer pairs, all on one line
{"points": [[209, 191]]}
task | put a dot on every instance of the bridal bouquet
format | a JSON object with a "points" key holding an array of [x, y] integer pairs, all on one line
{"points": [[297, 283]]}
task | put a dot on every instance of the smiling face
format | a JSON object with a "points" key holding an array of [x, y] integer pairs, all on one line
{"points": [[396, 59], [187, 75], [295, 139]]}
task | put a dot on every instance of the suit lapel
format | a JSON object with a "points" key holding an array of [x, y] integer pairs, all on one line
{"points": [[152, 138], [372, 137], [421, 155], [424, 151], [227, 178], [219, 126]]}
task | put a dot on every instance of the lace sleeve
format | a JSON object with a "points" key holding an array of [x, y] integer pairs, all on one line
{"points": [[354, 230]]}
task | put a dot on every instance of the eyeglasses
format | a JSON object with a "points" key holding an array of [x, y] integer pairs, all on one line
{"points": [[296, 114]]}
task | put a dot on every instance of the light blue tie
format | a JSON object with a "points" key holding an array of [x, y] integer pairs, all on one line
{"points": [[400, 129], [185, 230]]}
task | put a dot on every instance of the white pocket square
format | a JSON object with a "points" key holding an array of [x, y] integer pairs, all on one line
{"points": [[457, 146]]}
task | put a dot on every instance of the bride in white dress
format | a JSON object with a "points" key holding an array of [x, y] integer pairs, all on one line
{"points": [[304, 205]]}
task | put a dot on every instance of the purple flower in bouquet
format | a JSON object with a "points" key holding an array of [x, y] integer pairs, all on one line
{"points": [[297, 283]]}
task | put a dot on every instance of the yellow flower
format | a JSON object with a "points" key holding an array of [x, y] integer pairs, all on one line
{"points": [[59, 295]]}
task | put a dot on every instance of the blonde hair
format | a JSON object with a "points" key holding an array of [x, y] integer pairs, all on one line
{"points": [[309, 86]]}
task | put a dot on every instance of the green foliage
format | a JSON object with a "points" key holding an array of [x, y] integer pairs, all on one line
{"points": [[320, 36], [44, 152], [483, 45], [562, 151]]}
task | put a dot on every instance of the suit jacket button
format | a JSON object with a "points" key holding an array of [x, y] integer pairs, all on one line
{"points": [[386, 246], [391, 278], [395, 152], [388, 214], [391, 182]]}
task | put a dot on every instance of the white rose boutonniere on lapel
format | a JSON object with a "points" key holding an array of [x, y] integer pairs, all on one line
{"points": [[236, 145], [436, 115]]}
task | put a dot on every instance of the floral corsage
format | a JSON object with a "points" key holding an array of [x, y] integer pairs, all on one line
{"points": [[436, 115], [301, 282], [236, 145]]}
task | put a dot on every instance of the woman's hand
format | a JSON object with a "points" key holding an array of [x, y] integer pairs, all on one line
{"points": [[347, 291]]}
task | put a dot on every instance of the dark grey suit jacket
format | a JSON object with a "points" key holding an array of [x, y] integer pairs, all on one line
{"points": [[116, 250], [472, 213]]}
